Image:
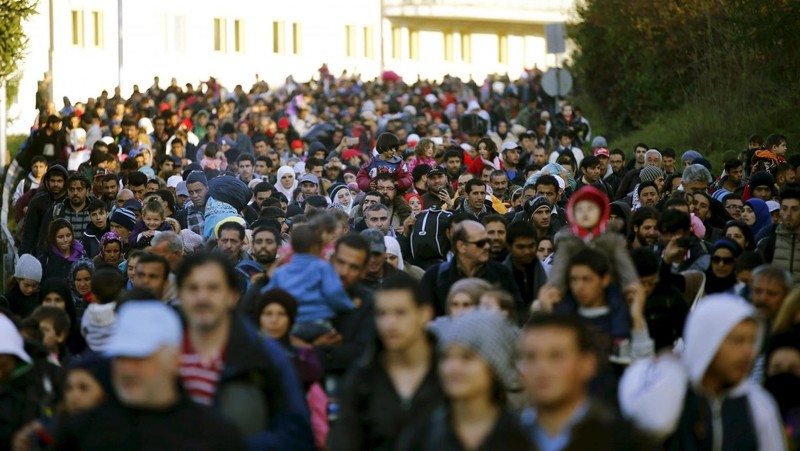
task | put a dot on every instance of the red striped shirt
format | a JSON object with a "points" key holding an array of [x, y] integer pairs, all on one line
{"points": [[199, 377]]}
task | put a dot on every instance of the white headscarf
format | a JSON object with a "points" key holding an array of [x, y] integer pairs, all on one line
{"points": [[393, 248], [288, 192], [334, 196]]}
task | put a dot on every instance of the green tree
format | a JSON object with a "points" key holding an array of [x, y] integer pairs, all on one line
{"points": [[13, 40]]}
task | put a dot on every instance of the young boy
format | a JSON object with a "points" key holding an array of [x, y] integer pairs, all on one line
{"points": [[99, 318], [313, 282], [54, 325], [98, 213], [386, 161]]}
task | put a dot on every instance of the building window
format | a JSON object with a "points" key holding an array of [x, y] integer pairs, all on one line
{"points": [[179, 34], [368, 45], [77, 27], [97, 20], [502, 49], [448, 47], [277, 37], [466, 47], [220, 35], [297, 39], [397, 42], [413, 44], [350, 41], [238, 36]]}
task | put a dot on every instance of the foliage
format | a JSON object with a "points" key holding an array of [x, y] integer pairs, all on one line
{"points": [[643, 59]]}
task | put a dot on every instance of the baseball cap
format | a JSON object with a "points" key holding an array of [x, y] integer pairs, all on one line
{"points": [[173, 181], [508, 145], [181, 190], [436, 170], [773, 206], [142, 327], [132, 204], [11, 342], [374, 237], [309, 178], [601, 152], [599, 141]]}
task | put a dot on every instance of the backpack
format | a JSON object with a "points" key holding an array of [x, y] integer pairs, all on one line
{"points": [[429, 235]]}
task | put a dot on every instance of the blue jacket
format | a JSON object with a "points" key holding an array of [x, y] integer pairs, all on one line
{"points": [[315, 285]]}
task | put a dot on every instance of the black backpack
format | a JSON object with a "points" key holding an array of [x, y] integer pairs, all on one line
{"points": [[429, 235]]}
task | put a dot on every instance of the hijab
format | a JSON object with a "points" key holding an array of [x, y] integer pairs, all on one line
{"points": [[110, 237], [763, 217], [715, 284], [288, 192], [334, 196]]}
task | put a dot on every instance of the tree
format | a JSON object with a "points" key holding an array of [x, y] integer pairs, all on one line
{"points": [[13, 40]]}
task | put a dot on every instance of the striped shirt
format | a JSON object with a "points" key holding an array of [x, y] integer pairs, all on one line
{"points": [[200, 377]]}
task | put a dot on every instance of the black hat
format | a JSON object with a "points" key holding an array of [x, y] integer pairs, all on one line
{"points": [[436, 170]]}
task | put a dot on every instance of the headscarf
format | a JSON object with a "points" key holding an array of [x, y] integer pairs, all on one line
{"points": [[109, 237], [288, 192], [334, 196], [715, 284], [763, 217], [553, 169], [594, 195], [393, 248]]}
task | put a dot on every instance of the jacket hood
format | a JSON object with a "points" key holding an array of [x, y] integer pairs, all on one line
{"points": [[54, 169], [706, 328], [597, 197], [625, 208]]}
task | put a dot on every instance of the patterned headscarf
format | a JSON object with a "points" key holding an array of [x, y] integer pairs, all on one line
{"points": [[109, 237]]}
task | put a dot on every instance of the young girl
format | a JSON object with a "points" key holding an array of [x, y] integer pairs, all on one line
{"points": [[22, 296], [488, 156], [213, 158], [423, 154], [62, 250], [153, 219]]}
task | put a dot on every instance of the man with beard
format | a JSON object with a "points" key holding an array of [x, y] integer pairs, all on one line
{"points": [[110, 188], [74, 207], [264, 252], [644, 228], [35, 226], [496, 226], [230, 240]]}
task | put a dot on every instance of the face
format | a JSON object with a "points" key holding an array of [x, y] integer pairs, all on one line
{"points": [[110, 189], [265, 247], [587, 214], [512, 156], [151, 275], [262, 168], [735, 355], [393, 260], [499, 185], [350, 264], [647, 233], [399, 321], [616, 162], [722, 263], [553, 369], [464, 374], [245, 168], [496, 231], [197, 193], [344, 197], [64, 239], [767, 296], [274, 321], [669, 164], [784, 360], [736, 175], [549, 192], [790, 214], [736, 234], [370, 201], [230, 243], [477, 247], [453, 165], [55, 183], [437, 181], [77, 193], [748, 215], [460, 303], [387, 188], [653, 160], [592, 174], [82, 392], [112, 253], [308, 189], [206, 298], [83, 281], [54, 300], [734, 208], [587, 286], [120, 230], [378, 220], [541, 218], [152, 220], [287, 180], [486, 174], [28, 286], [38, 169], [140, 381], [476, 196], [544, 249], [640, 152], [50, 338], [138, 191], [415, 204], [763, 192]]}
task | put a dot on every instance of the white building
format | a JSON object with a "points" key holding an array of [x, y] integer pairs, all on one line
{"points": [[91, 45]]}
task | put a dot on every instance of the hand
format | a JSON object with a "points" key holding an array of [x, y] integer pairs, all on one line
{"points": [[332, 338], [298, 343], [408, 224], [635, 296], [373, 185], [21, 441], [549, 295], [444, 196], [673, 253]]}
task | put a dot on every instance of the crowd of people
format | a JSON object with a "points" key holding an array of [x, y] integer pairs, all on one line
{"points": [[363, 265]]}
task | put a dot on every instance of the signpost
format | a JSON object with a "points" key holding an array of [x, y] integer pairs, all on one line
{"points": [[556, 82]]}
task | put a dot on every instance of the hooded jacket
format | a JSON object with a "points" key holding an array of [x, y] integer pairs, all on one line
{"points": [[376, 166], [35, 227], [664, 396]]}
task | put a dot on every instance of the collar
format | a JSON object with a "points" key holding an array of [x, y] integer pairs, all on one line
{"points": [[480, 270]]}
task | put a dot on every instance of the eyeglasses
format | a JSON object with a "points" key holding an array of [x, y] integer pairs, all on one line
{"points": [[724, 260], [479, 243]]}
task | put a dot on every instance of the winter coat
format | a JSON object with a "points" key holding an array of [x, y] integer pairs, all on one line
{"points": [[376, 166], [91, 239], [529, 280], [783, 249], [35, 227], [54, 265], [135, 242], [357, 328], [18, 303]]}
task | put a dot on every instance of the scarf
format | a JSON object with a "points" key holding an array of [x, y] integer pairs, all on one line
{"points": [[109, 237], [288, 192]]}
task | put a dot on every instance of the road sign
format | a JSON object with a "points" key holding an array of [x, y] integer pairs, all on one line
{"points": [[555, 36], [557, 82]]}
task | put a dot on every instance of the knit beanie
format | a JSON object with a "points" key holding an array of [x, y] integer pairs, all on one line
{"points": [[489, 335], [763, 178], [282, 298], [28, 267], [124, 217], [536, 203], [197, 176], [650, 173], [691, 155]]}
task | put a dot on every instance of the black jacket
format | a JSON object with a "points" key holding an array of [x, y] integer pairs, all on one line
{"points": [[439, 278], [35, 227], [18, 303], [357, 328], [372, 414], [529, 280], [185, 425]]}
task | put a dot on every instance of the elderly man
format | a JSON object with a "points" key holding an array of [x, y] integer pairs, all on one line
{"points": [[696, 178], [632, 178], [470, 246], [151, 410]]}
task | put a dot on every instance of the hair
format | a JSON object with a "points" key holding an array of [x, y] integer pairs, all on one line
{"points": [[79, 178], [594, 260], [354, 241], [546, 180], [386, 142], [305, 239], [232, 225], [643, 145], [154, 206], [789, 310], [545, 320], [107, 284], [314, 163], [674, 221], [640, 216], [471, 286], [506, 301], [273, 296], [773, 140], [323, 221], [57, 317], [55, 226], [644, 185], [193, 261], [454, 153], [422, 144], [97, 204], [173, 240], [676, 202], [776, 273], [375, 207], [746, 231], [153, 258], [732, 163], [488, 219], [137, 178], [748, 261], [491, 147], [696, 173], [246, 157], [589, 162], [646, 261], [473, 183], [263, 187], [41, 159], [619, 152], [668, 152], [790, 191], [400, 281], [317, 201]]}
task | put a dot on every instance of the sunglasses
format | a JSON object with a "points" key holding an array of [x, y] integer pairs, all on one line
{"points": [[724, 260], [479, 243]]}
